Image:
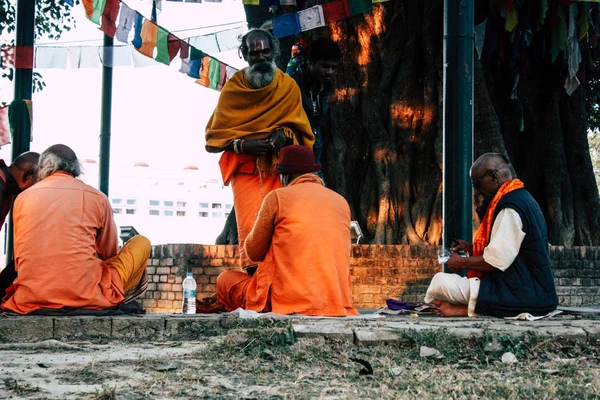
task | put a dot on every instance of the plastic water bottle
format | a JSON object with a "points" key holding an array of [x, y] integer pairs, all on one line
{"points": [[189, 295]]}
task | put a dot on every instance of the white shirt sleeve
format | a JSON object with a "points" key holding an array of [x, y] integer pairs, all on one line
{"points": [[505, 241]]}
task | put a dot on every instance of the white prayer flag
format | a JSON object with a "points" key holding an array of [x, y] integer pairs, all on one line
{"points": [[206, 43], [120, 57], [311, 18], [84, 57], [141, 61], [51, 57], [229, 71], [231, 38], [287, 2]]}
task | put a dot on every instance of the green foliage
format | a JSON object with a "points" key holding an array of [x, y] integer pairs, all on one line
{"points": [[592, 87]]}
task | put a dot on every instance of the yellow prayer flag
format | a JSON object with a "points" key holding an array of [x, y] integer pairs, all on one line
{"points": [[512, 19], [251, 2]]}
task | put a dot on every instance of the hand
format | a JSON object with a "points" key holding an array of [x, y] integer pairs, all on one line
{"points": [[460, 244], [279, 139], [256, 147], [454, 263]]}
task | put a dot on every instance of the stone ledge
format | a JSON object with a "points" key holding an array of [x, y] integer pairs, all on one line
{"points": [[362, 332]]}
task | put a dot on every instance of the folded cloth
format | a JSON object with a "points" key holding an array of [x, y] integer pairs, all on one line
{"points": [[394, 304]]}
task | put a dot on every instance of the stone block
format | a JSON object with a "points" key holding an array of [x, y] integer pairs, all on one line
{"points": [[163, 278], [76, 327], [26, 329], [146, 327], [373, 337], [329, 331], [191, 326], [567, 332], [163, 270]]}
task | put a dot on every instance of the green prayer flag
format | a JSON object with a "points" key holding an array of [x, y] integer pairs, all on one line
{"points": [[195, 54], [98, 10], [20, 120], [359, 6], [214, 73], [162, 46]]}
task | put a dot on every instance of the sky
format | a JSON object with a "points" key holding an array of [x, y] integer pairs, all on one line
{"points": [[158, 114]]}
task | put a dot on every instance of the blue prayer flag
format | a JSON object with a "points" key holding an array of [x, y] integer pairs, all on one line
{"points": [[286, 25]]}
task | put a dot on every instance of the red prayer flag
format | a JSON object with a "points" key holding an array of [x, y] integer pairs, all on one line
{"points": [[185, 50], [173, 45], [223, 77], [4, 126], [17, 56], [109, 17], [336, 10]]}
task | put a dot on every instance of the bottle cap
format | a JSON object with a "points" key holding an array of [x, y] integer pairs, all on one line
{"points": [[189, 274]]}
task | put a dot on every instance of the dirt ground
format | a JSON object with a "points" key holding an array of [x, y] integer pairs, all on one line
{"points": [[273, 364]]}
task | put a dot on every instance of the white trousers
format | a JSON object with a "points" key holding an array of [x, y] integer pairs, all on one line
{"points": [[454, 289]]}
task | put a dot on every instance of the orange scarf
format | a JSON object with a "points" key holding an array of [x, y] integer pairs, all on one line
{"points": [[482, 236]]}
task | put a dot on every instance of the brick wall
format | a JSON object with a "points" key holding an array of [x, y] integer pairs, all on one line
{"points": [[377, 272]]}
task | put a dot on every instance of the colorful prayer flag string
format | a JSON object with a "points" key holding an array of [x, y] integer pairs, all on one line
{"points": [[154, 41]]}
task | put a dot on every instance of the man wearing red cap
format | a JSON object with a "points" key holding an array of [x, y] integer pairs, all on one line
{"points": [[301, 241]]}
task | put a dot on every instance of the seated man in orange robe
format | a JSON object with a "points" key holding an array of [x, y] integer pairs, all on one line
{"points": [[259, 111], [301, 240], [66, 244]]}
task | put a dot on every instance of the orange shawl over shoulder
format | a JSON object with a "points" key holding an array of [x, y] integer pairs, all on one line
{"points": [[482, 236], [247, 113]]}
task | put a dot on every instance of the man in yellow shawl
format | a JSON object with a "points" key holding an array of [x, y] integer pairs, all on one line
{"points": [[509, 272], [259, 112]]}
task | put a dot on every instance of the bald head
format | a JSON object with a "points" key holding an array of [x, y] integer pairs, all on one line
{"points": [[26, 160], [59, 158], [490, 171]]}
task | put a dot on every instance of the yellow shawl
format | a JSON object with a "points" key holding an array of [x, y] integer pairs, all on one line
{"points": [[247, 113]]}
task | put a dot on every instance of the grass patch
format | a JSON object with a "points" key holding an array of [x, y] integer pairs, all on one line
{"points": [[19, 387], [105, 393], [88, 375]]}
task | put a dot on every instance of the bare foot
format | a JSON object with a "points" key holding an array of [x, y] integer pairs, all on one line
{"points": [[445, 309]]}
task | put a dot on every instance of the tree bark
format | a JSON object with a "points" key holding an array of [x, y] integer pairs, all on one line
{"points": [[383, 141]]}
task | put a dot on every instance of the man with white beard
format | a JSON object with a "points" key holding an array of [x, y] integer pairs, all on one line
{"points": [[259, 112]]}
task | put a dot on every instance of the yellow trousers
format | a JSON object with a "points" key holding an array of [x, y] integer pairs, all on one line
{"points": [[131, 261]]}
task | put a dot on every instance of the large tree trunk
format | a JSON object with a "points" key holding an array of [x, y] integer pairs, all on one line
{"points": [[383, 142], [383, 149]]}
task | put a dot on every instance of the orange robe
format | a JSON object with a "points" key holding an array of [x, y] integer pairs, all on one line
{"points": [[64, 229], [302, 238], [247, 113]]}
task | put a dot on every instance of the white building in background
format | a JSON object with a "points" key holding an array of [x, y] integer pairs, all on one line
{"points": [[166, 205]]}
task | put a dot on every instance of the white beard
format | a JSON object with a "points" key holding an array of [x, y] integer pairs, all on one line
{"points": [[257, 78]]}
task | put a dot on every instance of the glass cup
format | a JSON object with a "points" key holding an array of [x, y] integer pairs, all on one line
{"points": [[443, 255]]}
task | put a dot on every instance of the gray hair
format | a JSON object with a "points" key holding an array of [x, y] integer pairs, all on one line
{"points": [[58, 158]]}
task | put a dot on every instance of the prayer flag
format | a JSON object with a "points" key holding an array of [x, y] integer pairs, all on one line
{"points": [[214, 1], [287, 2], [173, 45], [148, 34], [214, 73], [137, 39], [84, 57], [97, 11], [162, 46], [379, 1], [116, 56], [185, 67], [336, 10], [196, 54], [141, 61], [204, 72], [230, 38], [357, 7], [269, 2], [126, 18], [311, 18], [69, 2], [223, 77], [206, 43], [109, 17], [286, 25], [229, 72], [185, 50], [17, 56], [4, 126], [195, 66], [88, 6], [251, 2], [51, 57]]}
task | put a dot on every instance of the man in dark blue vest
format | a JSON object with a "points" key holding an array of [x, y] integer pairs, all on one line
{"points": [[509, 268]]}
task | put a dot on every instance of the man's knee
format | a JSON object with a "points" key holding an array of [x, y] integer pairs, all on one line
{"points": [[140, 242]]}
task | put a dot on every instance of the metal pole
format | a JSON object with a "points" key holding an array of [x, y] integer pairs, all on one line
{"points": [[458, 119], [105, 121], [23, 79]]}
